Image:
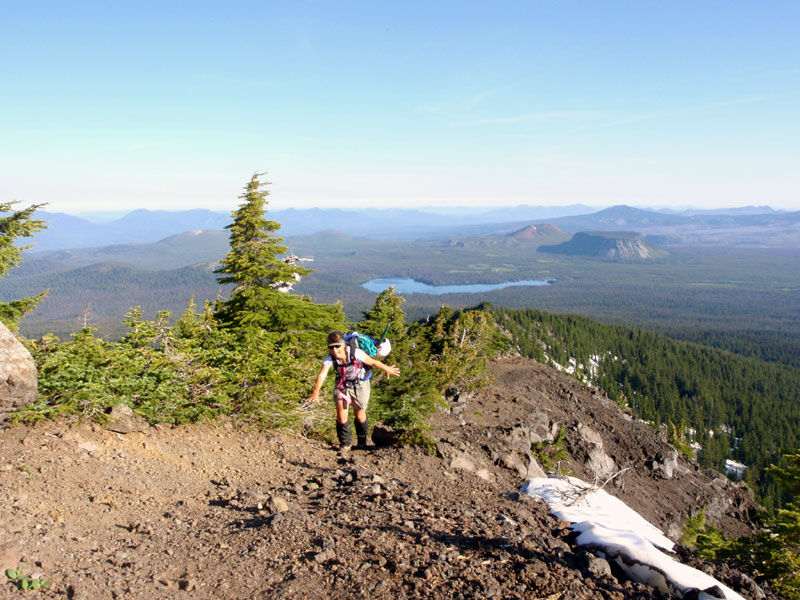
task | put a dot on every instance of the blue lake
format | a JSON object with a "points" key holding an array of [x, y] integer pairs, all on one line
{"points": [[412, 286]]}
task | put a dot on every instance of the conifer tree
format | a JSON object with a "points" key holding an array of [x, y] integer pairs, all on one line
{"points": [[18, 224], [386, 312], [254, 266]]}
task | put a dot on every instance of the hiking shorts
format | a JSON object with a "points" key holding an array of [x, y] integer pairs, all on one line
{"points": [[358, 396]]}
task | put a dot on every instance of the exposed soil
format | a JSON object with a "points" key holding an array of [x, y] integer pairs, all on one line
{"points": [[219, 512]]}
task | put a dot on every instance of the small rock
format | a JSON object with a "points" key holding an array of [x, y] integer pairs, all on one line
{"points": [[458, 408], [598, 567], [534, 469], [276, 504], [485, 474], [520, 439], [512, 462], [464, 462], [383, 436], [88, 446], [189, 584], [665, 467], [122, 420]]}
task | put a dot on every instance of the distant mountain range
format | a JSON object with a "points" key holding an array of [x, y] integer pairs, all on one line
{"points": [[738, 226], [67, 231], [627, 217], [770, 229], [742, 210], [172, 252], [749, 226], [141, 226]]}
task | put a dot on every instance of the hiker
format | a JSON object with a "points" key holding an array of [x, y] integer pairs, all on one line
{"points": [[352, 387]]}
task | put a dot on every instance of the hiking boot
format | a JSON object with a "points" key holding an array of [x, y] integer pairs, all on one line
{"points": [[344, 451]]}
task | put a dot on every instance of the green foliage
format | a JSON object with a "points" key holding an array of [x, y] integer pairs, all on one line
{"points": [[404, 402], [186, 372], [711, 544], [19, 223], [25, 582], [776, 551], [694, 526], [773, 554], [385, 312], [550, 455], [706, 540], [151, 370], [676, 435], [448, 353]]}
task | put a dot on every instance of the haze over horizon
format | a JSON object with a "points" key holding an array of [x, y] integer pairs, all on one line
{"points": [[119, 107], [102, 216]]}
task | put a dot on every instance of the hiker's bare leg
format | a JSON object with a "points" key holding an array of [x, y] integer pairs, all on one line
{"points": [[361, 415], [341, 413]]}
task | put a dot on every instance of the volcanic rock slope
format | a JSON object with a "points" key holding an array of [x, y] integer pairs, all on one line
{"points": [[217, 512]]}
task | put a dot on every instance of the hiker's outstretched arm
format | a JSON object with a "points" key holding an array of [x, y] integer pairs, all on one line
{"points": [[393, 370], [323, 372]]}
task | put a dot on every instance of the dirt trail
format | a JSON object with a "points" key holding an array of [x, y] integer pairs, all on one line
{"points": [[217, 512]]}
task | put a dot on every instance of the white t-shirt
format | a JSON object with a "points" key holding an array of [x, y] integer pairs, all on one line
{"points": [[360, 357]]}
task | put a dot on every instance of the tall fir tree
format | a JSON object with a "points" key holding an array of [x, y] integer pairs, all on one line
{"points": [[17, 224], [254, 266]]}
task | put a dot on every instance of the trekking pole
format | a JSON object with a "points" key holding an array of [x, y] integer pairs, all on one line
{"points": [[385, 331]]}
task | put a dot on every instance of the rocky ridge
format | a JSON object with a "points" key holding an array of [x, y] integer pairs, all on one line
{"points": [[132, 511], [609, 245]]}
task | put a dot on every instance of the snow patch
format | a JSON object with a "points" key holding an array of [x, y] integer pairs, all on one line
{"points": [[735, 468], [607, 524]]}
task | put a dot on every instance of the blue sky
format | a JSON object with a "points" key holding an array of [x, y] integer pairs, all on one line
{"points": [[174, 105]]}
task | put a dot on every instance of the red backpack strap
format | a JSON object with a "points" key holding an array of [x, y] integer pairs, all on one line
{"points": [[340, 375]]}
